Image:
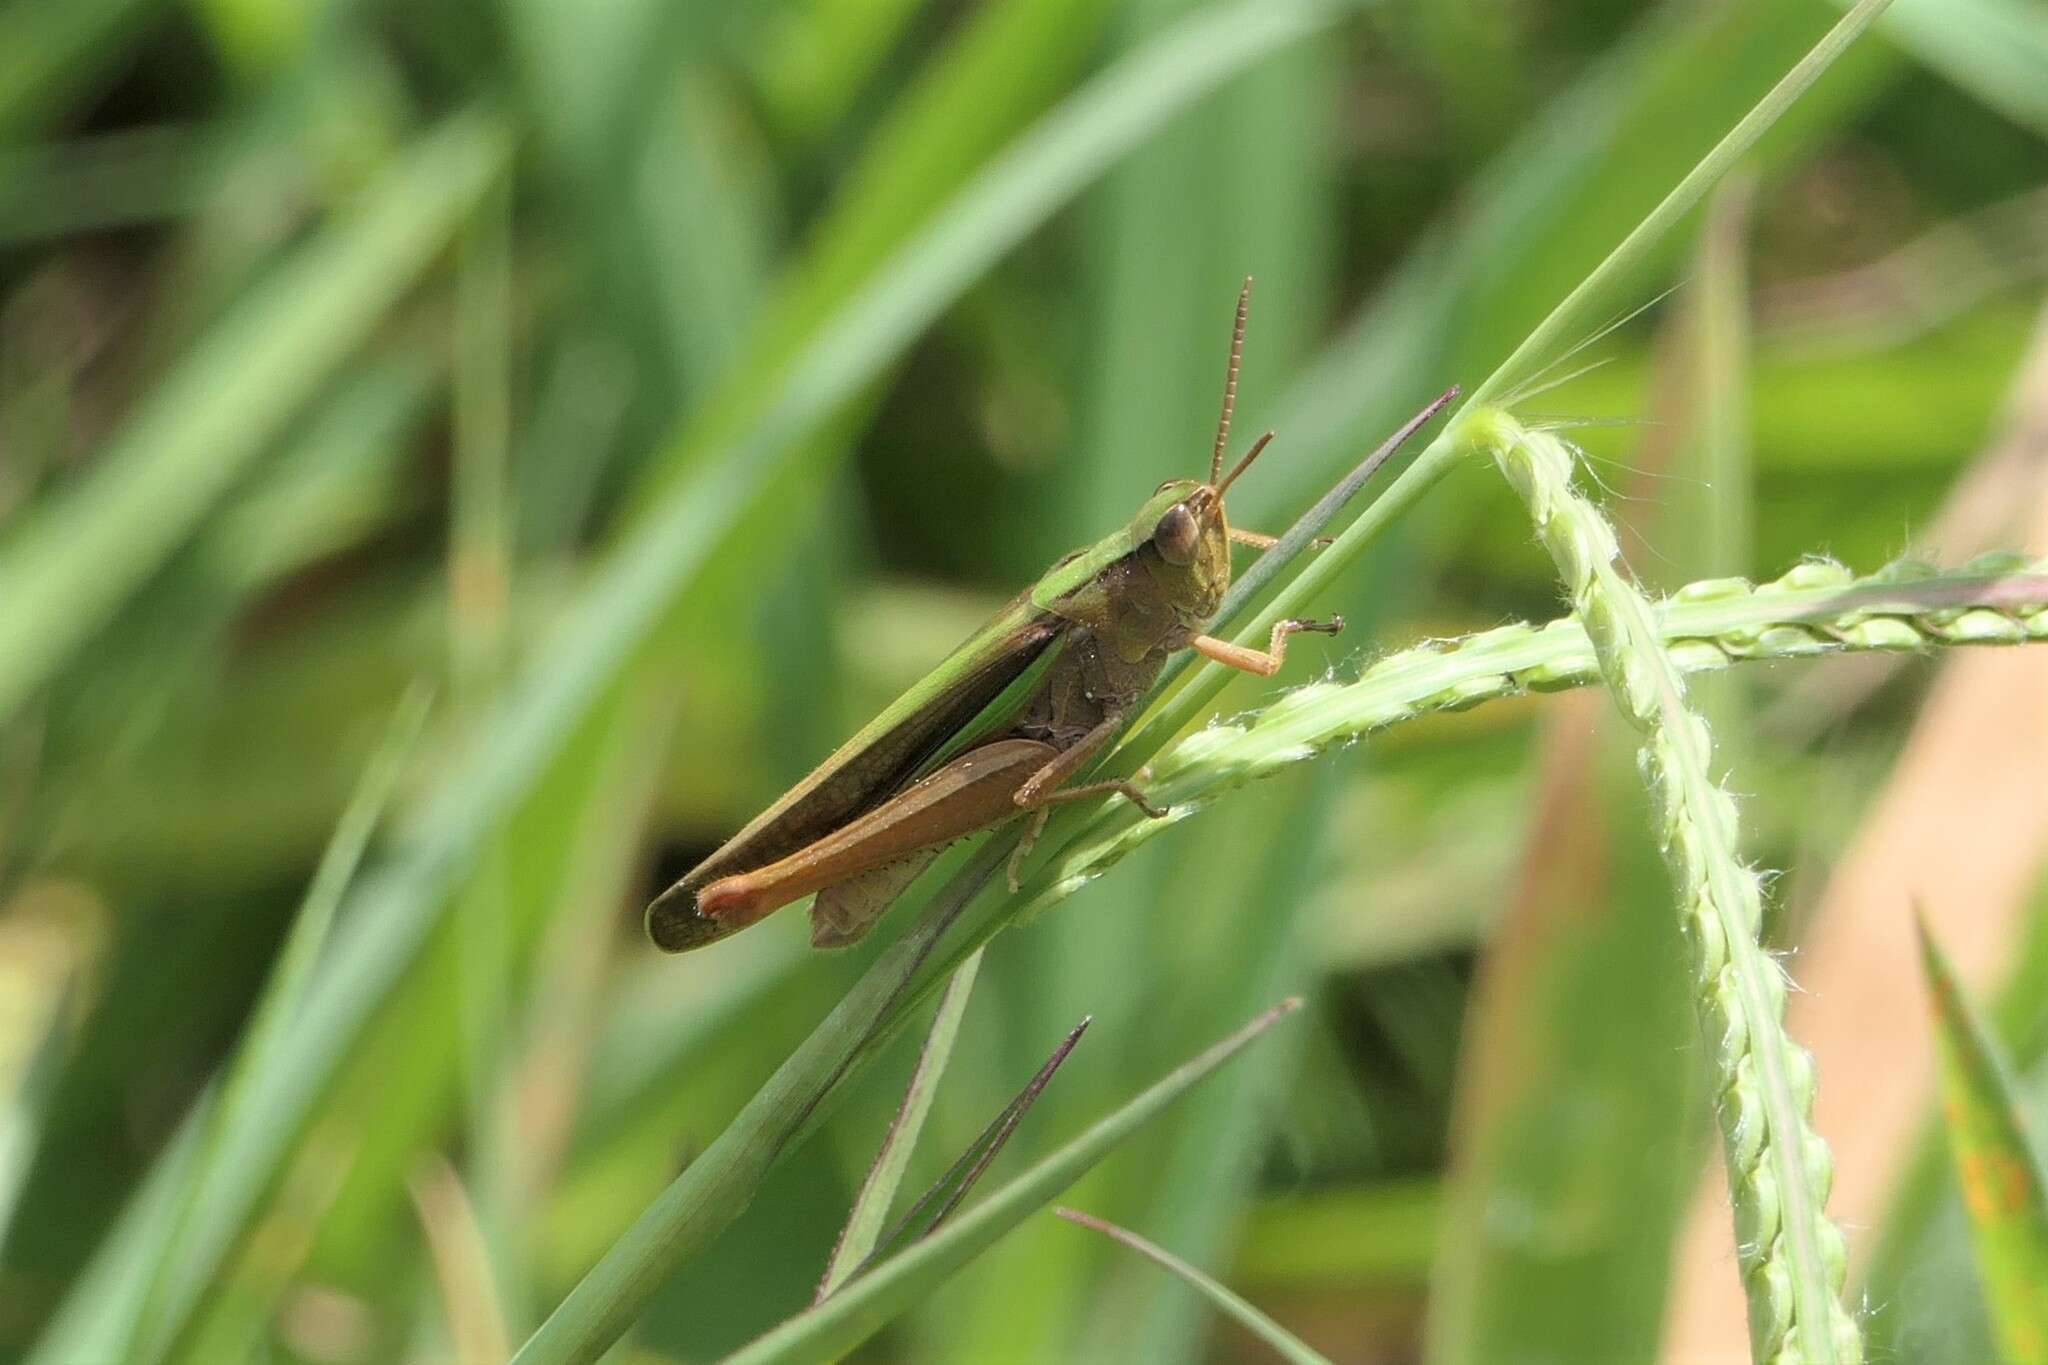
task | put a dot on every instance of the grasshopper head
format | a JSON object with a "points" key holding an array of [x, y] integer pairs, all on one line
{"points": [[1187, 544]]}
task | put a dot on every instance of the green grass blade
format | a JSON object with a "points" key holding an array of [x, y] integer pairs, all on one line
{"points": [[48, 50], [716, 1186], [284, 994], [1211, 1162], [49, 191], [120, 1311], [1578, 312], [1289, 1346], [73, 563], [465, 1268], [2004, 1188], [970, 102], [946, 1193], [878, 1191], [1341, 1237], [1574, 1085], [862, 1308], [97, 1319], [1995, 49]]}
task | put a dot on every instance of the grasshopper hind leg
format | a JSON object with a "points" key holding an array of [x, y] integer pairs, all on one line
{"points": [[676, 924]]}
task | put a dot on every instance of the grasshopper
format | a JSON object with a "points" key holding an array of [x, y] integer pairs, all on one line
{"points": [[996, 732]]}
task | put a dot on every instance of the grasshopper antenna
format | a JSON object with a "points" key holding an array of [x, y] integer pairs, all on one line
{"points": [[1242, 465], [1244, 303]]}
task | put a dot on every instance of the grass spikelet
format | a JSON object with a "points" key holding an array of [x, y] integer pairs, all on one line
{"points": [[1816, 608], [1793, 1259]]}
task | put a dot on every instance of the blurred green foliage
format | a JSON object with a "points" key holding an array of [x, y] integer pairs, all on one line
{"points": [[665, 384]]}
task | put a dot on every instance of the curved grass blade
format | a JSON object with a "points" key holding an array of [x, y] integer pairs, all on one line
{"points": [[2004, 1186], [871, 1206], [866, 1305], [1289, 1346]]}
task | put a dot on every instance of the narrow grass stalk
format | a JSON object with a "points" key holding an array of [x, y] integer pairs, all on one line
{"points": [[1289, 1346], [871, 1206], [936, 1204], [1793, 1259], [1817, 608], [2005, 1189], [842, 1322]]}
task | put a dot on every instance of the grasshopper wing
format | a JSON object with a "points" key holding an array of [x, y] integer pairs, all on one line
{"points": [[977, 691]]}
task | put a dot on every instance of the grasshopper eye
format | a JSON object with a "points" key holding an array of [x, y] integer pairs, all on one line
{"points": [[1176, 534]]}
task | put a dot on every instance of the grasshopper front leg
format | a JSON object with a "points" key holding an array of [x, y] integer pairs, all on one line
{"points": [[1259, 540], [1264, 662], [1042, 791]]}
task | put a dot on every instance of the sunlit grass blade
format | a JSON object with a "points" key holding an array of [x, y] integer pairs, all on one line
{"points": [[1999, 1166], [1289, 1346], [870, 1302], [72, 563], [878, 1191], [45, 955]]}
